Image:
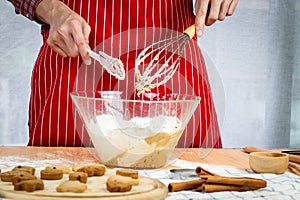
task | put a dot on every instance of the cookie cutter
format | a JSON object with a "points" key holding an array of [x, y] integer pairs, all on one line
{"points": [[183, 173]]}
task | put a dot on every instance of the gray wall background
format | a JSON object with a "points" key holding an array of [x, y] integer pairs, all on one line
{"points": [[19, 43], [253, 59]]}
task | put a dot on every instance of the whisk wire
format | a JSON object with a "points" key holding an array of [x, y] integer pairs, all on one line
{"points": [[160, 53], [160, 61]]}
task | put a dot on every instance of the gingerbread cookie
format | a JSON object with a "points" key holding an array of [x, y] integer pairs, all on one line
{"points": [[51, 174], [28, 169], [7, 176], [22, 177], [91, 169], [78, 176], [29, 185], [65, 169], [117, 183], [71, 186], [128, 172]]}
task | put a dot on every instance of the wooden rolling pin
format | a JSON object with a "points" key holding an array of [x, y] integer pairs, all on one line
{"points": [[249, 149]]}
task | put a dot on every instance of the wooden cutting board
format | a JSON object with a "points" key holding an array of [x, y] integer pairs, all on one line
{"points": [[148, 188]]}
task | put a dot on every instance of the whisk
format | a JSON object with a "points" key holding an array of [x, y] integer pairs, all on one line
{"points": [[163, 59], [114, 66]]}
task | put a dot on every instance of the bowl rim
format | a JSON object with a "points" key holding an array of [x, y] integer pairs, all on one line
{"points": [[267, 154], [190, 97]]}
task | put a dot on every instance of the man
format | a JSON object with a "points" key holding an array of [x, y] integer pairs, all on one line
{"points": [[70, 27]]}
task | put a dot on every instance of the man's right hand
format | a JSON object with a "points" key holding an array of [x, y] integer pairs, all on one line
{"points": [[69, 32]]}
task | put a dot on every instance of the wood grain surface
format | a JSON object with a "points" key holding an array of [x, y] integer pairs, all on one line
{"points": [[230, 157]]}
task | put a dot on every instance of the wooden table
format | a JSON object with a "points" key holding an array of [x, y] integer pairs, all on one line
{"points": [[231, 157]]}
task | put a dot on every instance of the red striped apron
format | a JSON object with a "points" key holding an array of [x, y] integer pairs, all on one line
{"points": [[51, 118]]}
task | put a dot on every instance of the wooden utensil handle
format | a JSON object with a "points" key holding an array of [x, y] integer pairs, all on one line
{"points": [[250, 149], [190, 31]]}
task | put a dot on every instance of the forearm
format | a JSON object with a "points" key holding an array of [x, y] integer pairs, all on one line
{"points": [[49, 10], [26, 7]]}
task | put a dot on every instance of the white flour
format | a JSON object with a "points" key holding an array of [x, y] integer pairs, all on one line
{"points": [[126, 141], [9, 162], [139, 127]]}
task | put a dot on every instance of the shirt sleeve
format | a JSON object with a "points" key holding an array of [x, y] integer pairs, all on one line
{"points": [[26, 7]]}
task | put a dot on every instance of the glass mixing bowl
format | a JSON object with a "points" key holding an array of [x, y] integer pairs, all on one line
{"points": [[134, 132]]}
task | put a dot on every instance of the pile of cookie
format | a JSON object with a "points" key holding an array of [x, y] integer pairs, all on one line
{"points": [[23, 178]]}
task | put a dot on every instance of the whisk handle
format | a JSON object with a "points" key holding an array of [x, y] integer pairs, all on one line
{"points": [[190, 31]]}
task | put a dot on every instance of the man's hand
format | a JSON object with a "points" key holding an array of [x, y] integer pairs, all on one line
{"points": [[209, 11], [69, 32]]}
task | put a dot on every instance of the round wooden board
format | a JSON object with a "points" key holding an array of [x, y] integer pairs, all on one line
{"points": [[148, 188]]}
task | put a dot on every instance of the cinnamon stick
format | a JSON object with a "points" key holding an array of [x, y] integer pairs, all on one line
{"points": [[295, 165], [198, 189], [187, 185], [210, 182], [240, 181], [294, 170], [210, 187], [294, 158], [201, 171]]}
